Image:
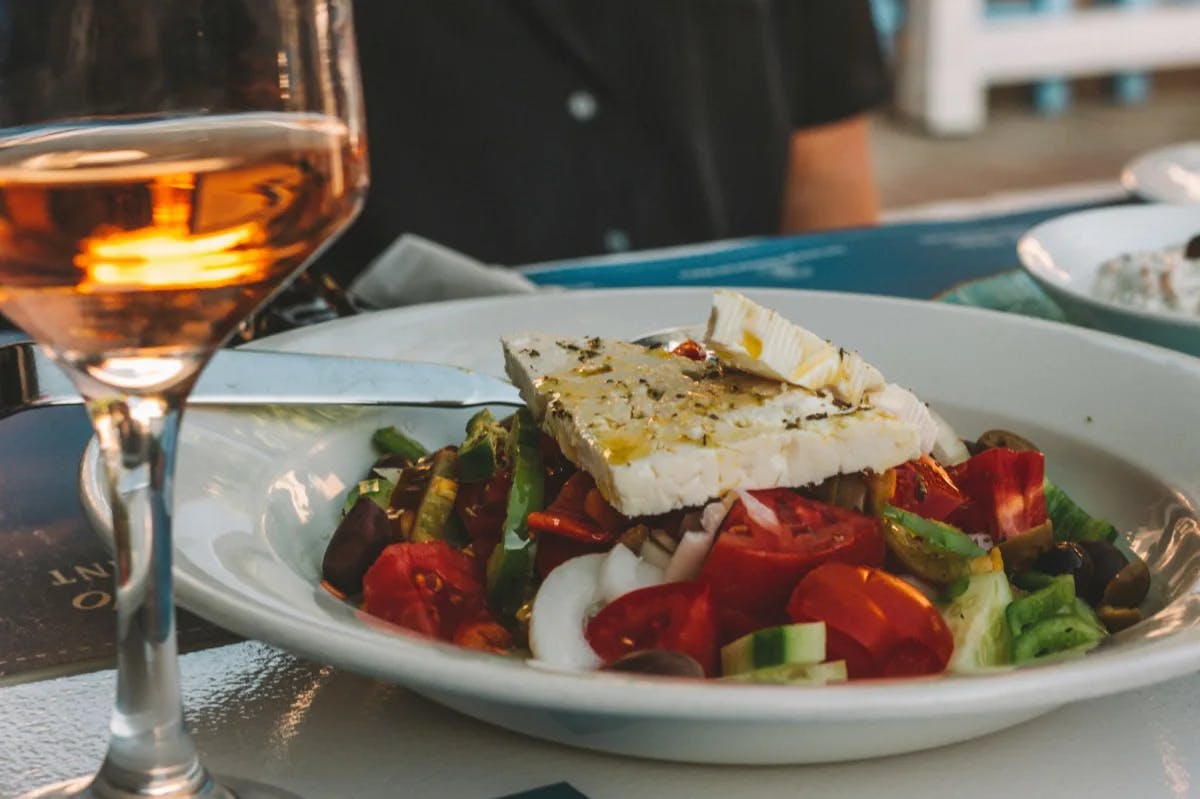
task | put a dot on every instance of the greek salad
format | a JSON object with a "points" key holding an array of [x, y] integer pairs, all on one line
{"points": [[757, 506]]}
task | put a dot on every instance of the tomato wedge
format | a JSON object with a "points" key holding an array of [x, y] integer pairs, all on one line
{"points": [[1004, 489], [924, 487], [579, 521], [756, 561], [430, 588], [690, 349], [553, 550], [579, 512], [674, 616], [879, 624], [484, 635]]}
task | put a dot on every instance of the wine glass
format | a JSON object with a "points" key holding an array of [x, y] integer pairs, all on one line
{"points": [[165, 167]]}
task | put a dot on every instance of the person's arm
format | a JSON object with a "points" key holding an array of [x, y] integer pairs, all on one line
{"points": [[830, 182]]}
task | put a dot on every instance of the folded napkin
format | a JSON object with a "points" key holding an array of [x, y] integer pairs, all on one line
{"points": [[416, 270]]}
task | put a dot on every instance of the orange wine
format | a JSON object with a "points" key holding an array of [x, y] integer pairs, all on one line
{"points": [[126, 242]]}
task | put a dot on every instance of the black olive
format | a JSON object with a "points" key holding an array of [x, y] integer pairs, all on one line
{"points": [[357, 542], [1005, 438], [1067, 557], [663, 662], [1107, 560]]}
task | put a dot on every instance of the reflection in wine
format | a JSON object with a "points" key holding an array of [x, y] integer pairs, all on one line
{"points": [[132, 250]]}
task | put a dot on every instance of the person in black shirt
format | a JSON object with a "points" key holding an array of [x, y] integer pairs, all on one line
{"points": [[519, 131]]}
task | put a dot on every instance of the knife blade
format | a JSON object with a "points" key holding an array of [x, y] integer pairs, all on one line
{"points": [[29, 379]]}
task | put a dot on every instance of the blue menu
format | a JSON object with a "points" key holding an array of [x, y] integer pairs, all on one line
{"points": [[918, 260]]}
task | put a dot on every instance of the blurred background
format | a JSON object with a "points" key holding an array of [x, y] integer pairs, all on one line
{"points": [[1014, 94]]}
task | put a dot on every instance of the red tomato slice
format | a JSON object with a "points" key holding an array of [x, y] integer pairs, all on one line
{"points": [[754, 566], [692, 350], [1004, 492], [579, 512], [674, 616], [879, 624], [431, 588], [554, 549], [485, 635], [924, 487]]}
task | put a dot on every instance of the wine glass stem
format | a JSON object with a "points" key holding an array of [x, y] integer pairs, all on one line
{"points": [[149, 749]]}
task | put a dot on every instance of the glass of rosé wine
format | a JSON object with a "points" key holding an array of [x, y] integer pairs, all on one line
{"points": [[166, 166]]}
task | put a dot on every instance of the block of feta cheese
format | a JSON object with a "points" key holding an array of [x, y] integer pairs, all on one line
{"points": [[660, 431], [758, 340]]}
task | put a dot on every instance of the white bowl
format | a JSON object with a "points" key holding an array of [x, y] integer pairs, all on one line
{"points": [[258, 492], [1167, 175], [1064, 255]]}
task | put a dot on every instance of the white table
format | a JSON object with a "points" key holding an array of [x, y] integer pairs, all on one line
{"points": [[326, 734]]}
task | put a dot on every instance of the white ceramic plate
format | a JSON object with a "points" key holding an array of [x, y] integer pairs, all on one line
{"points": [[1166, 175], [257, 496], [1064, 255]]}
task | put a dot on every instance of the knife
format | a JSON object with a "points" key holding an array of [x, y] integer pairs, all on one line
{"points": [[30, 379]]}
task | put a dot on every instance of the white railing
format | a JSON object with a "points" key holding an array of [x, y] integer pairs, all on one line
{"points": [[952, 51]]}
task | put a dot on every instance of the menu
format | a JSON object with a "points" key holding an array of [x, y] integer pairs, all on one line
{"points": [[56, 574]]}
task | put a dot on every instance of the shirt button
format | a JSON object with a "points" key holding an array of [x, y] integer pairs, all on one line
{"points": [[616, 240], [582, 105]]}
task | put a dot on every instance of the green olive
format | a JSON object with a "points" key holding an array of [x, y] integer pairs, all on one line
{"points": [[1020, 551], [1007, 439], [927, 561], [1117, 619], [1129, 586]]}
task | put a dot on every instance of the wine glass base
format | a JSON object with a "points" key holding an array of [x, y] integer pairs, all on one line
{"points": [[220, 788]]}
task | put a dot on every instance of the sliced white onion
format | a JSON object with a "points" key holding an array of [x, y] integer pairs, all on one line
{"points": [[695, 545], [982, 540], [715, 512], [564, 602], [654, 553], [759, 513], [689, 556], [622, 572], [948, 448]]}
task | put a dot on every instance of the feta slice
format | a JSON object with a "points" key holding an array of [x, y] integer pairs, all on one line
{"points": [[755, 339], [659, 431], [905, 406]]}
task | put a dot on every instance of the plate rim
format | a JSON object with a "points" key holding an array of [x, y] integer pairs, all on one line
{"points": [[508, 681]]}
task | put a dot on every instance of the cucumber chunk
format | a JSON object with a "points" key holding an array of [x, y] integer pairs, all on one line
{"points": [[789, 644], [1071, 522], [796, 674], [479, 454], [976, 619]]}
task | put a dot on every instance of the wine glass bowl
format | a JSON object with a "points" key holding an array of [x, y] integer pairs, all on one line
{"points": [[165, 167], [153, 240]]}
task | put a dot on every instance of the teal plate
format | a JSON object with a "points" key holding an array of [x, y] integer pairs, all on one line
{"points": [[1012, 291]]}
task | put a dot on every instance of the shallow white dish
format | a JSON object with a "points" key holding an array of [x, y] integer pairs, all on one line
{"points": [[1064, 256], [257, 496], [1169, 174]]}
